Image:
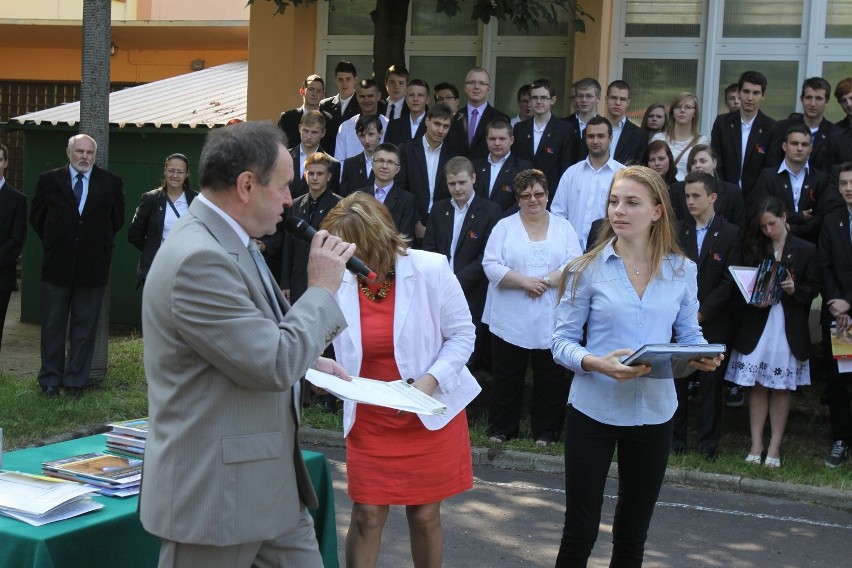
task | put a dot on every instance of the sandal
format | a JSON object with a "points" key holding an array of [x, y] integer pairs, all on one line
{"points": [[772, 463], [753, 458]]}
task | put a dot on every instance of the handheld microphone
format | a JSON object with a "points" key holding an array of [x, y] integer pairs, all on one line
{"points": [[302, 230]]}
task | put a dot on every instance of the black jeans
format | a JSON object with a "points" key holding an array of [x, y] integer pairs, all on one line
{"points": [[836, 393], [550, 390], [643, 453]]}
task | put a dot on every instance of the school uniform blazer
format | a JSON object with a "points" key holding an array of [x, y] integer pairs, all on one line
{"points": [[555, 152], [432, 333], [480, 218], [399, 130], [222, 459], [146, 229], [817, 195], [802, 259], [289, 124], [835, 261], [580, 148], [331, 105], [762, 151], [822, 148], [404, 111], [294, 252], [299, 187], [414, 177], [77, 249], [729, 202], [631, 145], [503, 193], [402, 208], [13, 233], [457, 138], [721, 249], [354, 175]]}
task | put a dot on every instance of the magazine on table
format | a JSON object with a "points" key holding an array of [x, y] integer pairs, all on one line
{"points": [[97, 468], [671, 360], [398, 395]]}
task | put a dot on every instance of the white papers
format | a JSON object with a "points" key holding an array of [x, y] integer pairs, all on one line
{"points": [[394, 394], [36, 499]]}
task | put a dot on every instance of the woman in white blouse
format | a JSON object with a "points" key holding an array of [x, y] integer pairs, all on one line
{"points": [[682, 132], [523, 260], [632, 288]]}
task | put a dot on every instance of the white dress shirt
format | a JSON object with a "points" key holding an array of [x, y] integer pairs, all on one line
{"points": [[581, 195], [381, 193], [458, 220], [495, 170], [618, 319], [432, 159], [796, 182], [348, 144], [181, 205], [414, 123], [538, 132]]}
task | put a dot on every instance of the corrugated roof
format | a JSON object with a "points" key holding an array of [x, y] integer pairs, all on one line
{"points": [[209, 98]]}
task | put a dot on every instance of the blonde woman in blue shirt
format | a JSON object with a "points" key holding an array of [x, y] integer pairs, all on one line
{"points": [[632, 288]]}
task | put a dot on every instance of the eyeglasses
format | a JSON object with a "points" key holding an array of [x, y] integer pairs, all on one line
{"points": [[476, 83], [176, 172], [380, 162], [445, 98], [530, 196], [684, 107]]}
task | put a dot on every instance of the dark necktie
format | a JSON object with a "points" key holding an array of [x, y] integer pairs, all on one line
{"points": [[312, 210], [392, 110], [265, 277], [78, 189]]}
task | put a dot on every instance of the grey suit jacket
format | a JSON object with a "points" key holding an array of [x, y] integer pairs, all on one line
{"points": [[222, 460]]}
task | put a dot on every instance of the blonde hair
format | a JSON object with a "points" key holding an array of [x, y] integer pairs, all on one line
{"points": [[696, 118], [361, 219], [663, 238]]}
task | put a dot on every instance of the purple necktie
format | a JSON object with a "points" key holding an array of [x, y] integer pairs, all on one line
{"points": [[471, 127]]}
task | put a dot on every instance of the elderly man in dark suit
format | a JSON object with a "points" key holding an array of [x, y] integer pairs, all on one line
{"points": [[495, 175], [76, 212], [742, 164], [714, 245], [467, 132], [459, 228], [224, 482], [422, 164], [13, 231]]}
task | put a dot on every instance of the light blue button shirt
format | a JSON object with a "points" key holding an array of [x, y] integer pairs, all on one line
{"points": [[619, 319]]}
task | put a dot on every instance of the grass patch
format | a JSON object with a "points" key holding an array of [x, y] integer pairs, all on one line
{"points": [[26, 415]]}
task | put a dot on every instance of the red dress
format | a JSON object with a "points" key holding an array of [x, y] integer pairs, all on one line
{"points": [[391, 458]]}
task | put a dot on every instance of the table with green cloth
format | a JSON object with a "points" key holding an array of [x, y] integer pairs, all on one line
{"points": [[113, 536]]}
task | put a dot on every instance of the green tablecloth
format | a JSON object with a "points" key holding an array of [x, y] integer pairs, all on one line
{"points": [[113, 536]]}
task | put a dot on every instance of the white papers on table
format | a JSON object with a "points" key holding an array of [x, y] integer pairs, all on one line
{"points": [[37, 500], [394, 394]]}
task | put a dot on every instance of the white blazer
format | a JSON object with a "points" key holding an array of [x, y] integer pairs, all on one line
{"points": [[432, 333]]}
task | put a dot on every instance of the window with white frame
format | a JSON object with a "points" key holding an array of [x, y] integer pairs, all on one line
{"points": [[440, 48], [663, 46]]}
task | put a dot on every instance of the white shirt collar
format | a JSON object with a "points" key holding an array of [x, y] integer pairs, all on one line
{"points": [[241, 233]]}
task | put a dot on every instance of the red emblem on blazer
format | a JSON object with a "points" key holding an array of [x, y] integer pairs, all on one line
{"points": [[760, 149], [506, 187], [717, 256], [548, 150], [473, 235]]}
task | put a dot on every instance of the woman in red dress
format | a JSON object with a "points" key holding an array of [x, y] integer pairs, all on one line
{"points": [[412, 323]]}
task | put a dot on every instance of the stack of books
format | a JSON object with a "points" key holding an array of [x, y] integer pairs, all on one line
{"points": [[108, 474], [128, 437], [38, 500]]}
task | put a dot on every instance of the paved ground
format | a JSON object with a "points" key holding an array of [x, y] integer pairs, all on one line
{"points": [[20, 352]]}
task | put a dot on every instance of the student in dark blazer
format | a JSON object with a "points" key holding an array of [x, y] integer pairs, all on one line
{"points": [[158, 210], [312, 128], [763, 148], [346, 77], [585, 96], [13, 232], [416, 103], [714, 245], [312, 92], [399, 202], [76, 222], [630, 147], [555, 150], [770, 367], [815, 200], [358, 169], [477, 85], [835, 261], [311, 207], [500, 189], [469, 234], [815, 96], [729, 202], [415, 171]]}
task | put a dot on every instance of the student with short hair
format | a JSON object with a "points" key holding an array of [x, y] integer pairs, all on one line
{"points": [[312, 92], [394, 105], [409, 127], [357, 171], [344, 105], [348, 144], [447, 94], [628, 140], [312, 130], [467, 133], [400, 203], [585, 96], [495, 174], [815, 96], [524, 108]]}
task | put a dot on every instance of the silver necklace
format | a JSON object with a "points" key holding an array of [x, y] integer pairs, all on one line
{"points": [[635, 270]]}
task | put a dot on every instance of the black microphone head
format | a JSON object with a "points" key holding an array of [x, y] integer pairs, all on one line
{"points": [[297, 227]]}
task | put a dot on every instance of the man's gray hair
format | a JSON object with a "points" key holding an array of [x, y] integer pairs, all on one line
{"points": [[237, 148]]}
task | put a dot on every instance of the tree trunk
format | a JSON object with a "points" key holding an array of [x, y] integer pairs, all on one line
{"points": [[94, 121], [390, 20]]}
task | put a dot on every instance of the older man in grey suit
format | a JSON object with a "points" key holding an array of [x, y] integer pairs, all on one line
{"points": [[224, 483]]}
